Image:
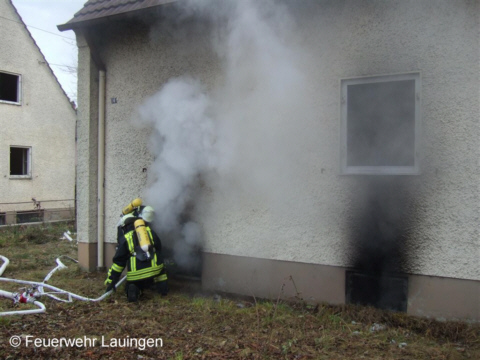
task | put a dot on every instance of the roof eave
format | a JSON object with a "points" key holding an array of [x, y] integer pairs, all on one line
{"points": [[85, 21]]}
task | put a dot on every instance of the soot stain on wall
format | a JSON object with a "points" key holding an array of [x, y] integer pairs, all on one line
{"points": [[380, 231]]}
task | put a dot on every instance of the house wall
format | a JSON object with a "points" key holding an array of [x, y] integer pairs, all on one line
{"points": [[321, 216], [44, 121], [318, 225], [288, 204], [87, 152], [129, 81]]}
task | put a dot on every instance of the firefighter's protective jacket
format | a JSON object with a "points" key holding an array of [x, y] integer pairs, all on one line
{"points": [[139, 266]]}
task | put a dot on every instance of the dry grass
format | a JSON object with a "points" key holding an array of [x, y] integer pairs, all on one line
{"points": [[192, 325]]}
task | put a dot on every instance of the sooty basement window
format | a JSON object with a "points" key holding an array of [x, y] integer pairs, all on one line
{"points": [[20, 162], [10, 88], [380, 122]]}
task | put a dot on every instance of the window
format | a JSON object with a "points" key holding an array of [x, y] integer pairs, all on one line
{"points": [[380, 123], [20, 162], [30, 216], [10, 88]]}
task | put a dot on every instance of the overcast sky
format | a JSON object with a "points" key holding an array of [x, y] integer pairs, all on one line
{"points": [[59, 48]]}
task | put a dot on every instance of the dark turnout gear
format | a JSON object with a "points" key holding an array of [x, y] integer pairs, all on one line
{"points": [[144, 268], [133, 292]]}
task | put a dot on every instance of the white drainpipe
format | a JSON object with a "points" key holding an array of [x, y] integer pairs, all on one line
{"points": [[101, 171]]}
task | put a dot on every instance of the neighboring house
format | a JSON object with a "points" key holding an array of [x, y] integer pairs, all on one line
{"points": [[37, 137], [344, 137]]}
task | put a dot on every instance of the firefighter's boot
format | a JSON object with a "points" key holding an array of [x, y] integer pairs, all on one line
{"points": [[133, 293]]}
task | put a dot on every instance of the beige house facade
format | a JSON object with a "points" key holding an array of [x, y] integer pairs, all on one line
{"points": [[317, 150], [37, 139]]}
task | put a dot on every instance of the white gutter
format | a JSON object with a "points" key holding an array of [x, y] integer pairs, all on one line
{"points": [[101, 171]]}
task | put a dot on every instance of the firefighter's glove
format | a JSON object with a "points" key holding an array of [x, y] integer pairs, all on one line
{"points": [[110, 283], [112, 278], [111, 286]]}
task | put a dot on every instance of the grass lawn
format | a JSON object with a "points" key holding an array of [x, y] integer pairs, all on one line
{"points": [[189, 325]]}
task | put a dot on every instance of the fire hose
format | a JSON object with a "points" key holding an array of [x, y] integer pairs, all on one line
{"points": [[36, 290]]}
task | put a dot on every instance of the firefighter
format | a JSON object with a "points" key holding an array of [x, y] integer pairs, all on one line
{"points": [[139, 248]]}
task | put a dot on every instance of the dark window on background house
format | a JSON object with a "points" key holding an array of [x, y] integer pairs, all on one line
{"points": [[30, 216], [10, 87], [380, 125], [20, 162]]}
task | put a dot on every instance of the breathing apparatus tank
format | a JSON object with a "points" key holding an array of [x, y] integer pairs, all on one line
{"points": [[143, 238], [130, 207]]}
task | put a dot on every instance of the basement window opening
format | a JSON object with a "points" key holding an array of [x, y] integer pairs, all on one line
{"points": [[10, 88], [20, 162], [382, 291], [29, 216], [380, 125]]}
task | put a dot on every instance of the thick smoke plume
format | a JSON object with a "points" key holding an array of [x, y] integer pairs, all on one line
{"points": [[182, 142], [241, 129]]}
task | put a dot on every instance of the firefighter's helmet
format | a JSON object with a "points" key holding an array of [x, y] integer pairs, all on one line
{"points": [[147, 213]]}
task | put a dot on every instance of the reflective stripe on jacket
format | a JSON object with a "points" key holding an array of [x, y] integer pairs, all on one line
{"points": [[139, 270]]}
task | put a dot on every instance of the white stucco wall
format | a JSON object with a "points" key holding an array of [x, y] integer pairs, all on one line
{"points": [[87, 144], [310, 222], [306, 219], [44, 121], [281, 195]]}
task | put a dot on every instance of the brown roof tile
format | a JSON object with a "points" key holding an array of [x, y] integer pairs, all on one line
{"points": [[97, 9]]}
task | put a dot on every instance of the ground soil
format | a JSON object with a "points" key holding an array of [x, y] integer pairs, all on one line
{"points": [[189, 324]]}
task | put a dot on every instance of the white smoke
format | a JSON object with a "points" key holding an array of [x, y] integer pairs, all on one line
{"points": [[182, 142], [243, 126]]}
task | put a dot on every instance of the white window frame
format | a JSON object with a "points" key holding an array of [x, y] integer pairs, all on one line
{"points": [[28, 175], [379, 170], [19, 89]]}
